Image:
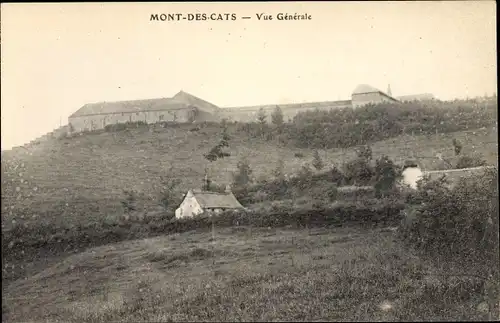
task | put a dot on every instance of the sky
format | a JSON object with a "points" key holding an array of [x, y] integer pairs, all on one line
{"points": [[57, 57]]}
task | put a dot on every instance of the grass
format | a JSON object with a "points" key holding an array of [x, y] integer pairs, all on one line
{"points": [[342, 274]]}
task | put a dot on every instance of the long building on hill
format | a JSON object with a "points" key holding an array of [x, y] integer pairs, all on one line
{"points": [[182, 107], [185, 107]]}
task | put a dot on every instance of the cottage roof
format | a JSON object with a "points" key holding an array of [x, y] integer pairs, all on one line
{"points": [[209, 200]]}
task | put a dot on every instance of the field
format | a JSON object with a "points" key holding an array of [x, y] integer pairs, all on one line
{"points": [[340, 274], [67, 193]]}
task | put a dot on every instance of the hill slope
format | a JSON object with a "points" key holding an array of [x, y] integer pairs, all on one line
{"points": [[89, 172], [268, 275]]}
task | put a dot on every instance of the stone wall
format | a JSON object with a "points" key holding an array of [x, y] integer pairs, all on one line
{"points": [[100, 121], [250, 114]]}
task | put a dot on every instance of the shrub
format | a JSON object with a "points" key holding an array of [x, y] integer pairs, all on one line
{"points": [[470, 161], [358, 171], [317, 162], [166, 194], [242, 177], [332, 193], [386, 175], [129, 203], [299, 155], [458, 223], [115, 127], [337, 176]]}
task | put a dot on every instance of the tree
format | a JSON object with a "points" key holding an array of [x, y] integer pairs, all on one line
{"points": [[242, 176], [317, 162], [386, 174], [224, 142], [277, 116], [304, 176], [278, 172], [217, 152], [167, 191], [365, 152], [457, 146], [261, 116], [358, 171]]}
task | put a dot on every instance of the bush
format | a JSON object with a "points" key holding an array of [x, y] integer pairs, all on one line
{"points": [[386, 175], [358, 171], [332, 193], [129, 202], [115, 127], [459, 223], [470, 161], [375, 122], [337, 176], [51, 238]]}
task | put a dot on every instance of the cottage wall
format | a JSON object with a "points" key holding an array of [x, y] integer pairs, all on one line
{"points": [[189, 207], [99, 121]]}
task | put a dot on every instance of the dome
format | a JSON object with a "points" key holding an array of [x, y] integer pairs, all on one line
{"points": [[364, 88]]}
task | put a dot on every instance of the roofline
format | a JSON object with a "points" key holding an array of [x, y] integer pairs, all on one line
{"points": [[198, 98], [378, 91], [222, 207], [286, 105]]}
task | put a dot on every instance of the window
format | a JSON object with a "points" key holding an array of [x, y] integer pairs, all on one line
{"points": [[161, 117], [137, 113], [123, 114]]}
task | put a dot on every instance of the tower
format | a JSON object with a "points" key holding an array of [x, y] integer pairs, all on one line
{"points": [[389, 90]]}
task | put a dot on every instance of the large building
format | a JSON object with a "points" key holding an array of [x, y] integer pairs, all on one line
{"points": [[184, 107]]}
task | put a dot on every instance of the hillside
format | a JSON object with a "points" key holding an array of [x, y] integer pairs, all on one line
{"points": [[247, 275], [85, 173]]}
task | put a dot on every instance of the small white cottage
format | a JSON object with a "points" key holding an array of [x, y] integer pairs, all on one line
{"points": [[197, 202]]}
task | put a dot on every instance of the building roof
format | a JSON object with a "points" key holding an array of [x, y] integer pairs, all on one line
{"points": [[181, 100], [195, 101], [210, 200], [421, 96], [129, 106], [365, 88], [290, 106]]}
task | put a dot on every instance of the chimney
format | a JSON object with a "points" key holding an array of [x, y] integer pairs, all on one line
{"points": [[206, 183], [389, 90]]}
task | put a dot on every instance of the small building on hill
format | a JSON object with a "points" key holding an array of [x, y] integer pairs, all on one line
{"points": [[197, 202], [365, 94], [413, 174]]}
